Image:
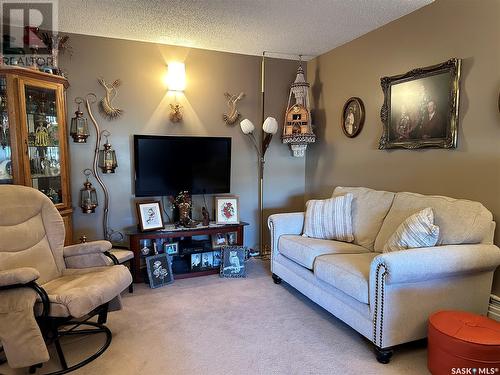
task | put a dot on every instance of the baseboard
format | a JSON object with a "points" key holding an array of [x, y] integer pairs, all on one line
{"points": [[494, 308]]}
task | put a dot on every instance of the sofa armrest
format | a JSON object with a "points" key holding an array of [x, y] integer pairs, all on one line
{"points": [[94, 247], [280, 224], [17, 276], [436, 262]]}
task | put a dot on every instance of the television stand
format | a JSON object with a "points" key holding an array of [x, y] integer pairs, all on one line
{"points": [[187, 246]]}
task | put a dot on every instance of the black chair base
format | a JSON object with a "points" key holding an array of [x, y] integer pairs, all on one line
{"points": [[95, 328]]}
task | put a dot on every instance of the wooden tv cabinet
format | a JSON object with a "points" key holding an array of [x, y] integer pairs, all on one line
{"points": [[180, 235]]}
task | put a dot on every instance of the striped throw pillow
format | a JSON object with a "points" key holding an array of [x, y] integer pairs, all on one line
{"points": [[416, 231], [329, 219]]}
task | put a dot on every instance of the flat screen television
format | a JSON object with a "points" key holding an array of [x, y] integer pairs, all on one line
{"points": [[167, 165]]}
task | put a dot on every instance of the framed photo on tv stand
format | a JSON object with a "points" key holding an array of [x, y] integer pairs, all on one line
{"points": [[227, 209], [149, 215]]}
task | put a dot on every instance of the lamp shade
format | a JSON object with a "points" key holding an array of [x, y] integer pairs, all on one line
{"points": [[270, 125], [176, 76], [246, 126]]}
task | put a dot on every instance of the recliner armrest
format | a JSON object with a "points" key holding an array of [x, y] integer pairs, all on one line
{"points": [[17, 276], [280, 224], [414, 265], [94, 247]]}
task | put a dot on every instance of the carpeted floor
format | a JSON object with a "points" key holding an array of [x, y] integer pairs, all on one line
{"points": [[209, 325]]}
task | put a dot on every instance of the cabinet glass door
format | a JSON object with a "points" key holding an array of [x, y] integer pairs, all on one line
{"points": [[43, 141], [5, 145]]}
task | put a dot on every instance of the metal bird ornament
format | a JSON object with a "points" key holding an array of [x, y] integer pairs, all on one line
{"points": [[105, 104], [233, 115]]}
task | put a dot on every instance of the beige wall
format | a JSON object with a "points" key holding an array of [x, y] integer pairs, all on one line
{"points": [[465, 29], [143, 96]]}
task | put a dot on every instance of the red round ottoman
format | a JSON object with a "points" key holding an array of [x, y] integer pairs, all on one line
{"points": [[463, 343]]}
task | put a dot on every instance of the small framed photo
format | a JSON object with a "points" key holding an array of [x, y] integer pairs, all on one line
{"points": [[207, 260], [159, 270], [227, 209], [353, 117], [195, 262], [233, 262], [149, 215], [232, 238], [219, 240], [171, 248], [217, 258]]}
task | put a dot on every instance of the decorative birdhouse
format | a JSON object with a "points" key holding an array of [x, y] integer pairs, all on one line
{"points": [[297, 129]]}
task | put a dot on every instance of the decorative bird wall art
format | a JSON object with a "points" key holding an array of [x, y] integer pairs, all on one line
{"points": [[105, 104], [233, 115]]}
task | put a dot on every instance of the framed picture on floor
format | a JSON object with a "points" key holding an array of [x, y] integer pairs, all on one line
{"points": [[421, 107], [227, 209], [159, 270], [149, 215], [233, 262]]}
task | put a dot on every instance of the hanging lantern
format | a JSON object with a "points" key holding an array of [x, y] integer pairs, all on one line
{"points": [[79, 129], [88, 195], [297, 129], [107, 156]]}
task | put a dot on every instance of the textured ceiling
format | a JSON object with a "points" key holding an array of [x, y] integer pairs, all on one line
{"points": [[310, 27]]}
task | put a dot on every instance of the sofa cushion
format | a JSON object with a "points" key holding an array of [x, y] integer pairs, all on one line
{"points": [[303, 250], [459, 220], [369, 208], [416, 231], [329, 219], [349, 273]]}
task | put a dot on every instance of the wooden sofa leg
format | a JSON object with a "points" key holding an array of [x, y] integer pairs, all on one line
{"points": [[276, 279], [383, 355]]}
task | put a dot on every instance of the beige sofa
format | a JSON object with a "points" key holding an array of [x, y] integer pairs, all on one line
{"points": [[388, 297]]}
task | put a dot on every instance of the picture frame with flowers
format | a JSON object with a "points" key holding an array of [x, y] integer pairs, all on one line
{"points": [[227, 209]]}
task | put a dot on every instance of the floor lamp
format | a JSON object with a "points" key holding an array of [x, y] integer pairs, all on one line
{"points": [[269, 128]]}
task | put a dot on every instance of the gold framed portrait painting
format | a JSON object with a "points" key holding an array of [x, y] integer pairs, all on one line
{"points": [[421, 107]]}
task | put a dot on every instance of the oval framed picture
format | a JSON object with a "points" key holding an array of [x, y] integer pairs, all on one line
{"points": [[353, 117]]}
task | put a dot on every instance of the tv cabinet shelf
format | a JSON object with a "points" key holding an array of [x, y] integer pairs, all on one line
{"points": [[182, 236]]}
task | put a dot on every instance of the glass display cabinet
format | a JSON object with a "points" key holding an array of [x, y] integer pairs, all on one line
{"points": [[33, 139]]}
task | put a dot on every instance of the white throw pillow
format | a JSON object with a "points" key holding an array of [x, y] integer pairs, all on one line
{"points": [[416, 231], [329, 219]]}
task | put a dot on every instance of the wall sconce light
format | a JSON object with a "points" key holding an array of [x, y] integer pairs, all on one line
{"points": [[88, 195], [79, 129], [176, 76], [107, 156], [176, 81]]}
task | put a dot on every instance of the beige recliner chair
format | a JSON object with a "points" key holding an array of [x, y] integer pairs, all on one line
{"points": [[44, 286]]}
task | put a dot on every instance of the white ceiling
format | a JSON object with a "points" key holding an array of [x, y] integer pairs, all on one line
{"points": [[310, 27]]}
